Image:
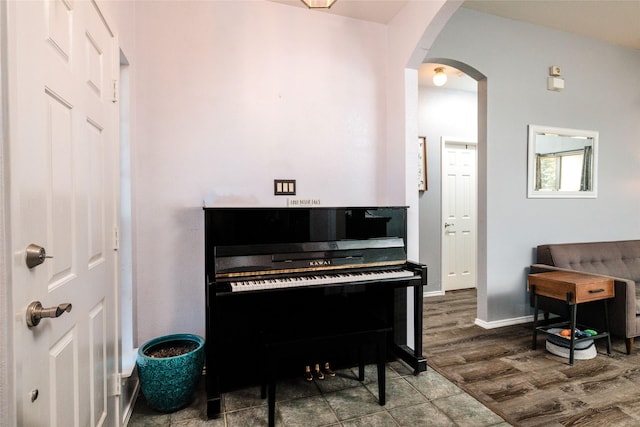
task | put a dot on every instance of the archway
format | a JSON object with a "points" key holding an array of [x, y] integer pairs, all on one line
{"points": [[433, 235]]}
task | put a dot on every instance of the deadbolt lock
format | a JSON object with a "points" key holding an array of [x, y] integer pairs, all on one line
{"points": [[35, 255]]}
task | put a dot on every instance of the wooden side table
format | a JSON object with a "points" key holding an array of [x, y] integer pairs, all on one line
{"points": [[574, 288]]}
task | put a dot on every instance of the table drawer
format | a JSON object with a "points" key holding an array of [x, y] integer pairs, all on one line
{"points": [[594, 291], [581, 287]]}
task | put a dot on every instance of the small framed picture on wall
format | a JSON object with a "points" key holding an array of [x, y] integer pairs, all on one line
{"points": [[422, 163]]}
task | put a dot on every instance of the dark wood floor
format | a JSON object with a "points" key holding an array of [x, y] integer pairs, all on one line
{"points": [[529, 387]]}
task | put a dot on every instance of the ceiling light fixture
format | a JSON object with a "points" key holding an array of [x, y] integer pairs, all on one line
{"points": [[439, 78], [318, 4]]}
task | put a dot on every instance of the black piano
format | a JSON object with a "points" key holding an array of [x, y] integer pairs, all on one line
{"points": [[283, 269]]}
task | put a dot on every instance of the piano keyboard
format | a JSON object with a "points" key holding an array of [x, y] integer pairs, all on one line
{"points": [[320, 279]]}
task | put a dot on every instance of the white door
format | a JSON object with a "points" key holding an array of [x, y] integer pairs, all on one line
{"points": [[63, 146], [459, 191]]}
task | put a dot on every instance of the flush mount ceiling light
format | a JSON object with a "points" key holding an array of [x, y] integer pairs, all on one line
{"points": [[439, 78], [318, 4]]}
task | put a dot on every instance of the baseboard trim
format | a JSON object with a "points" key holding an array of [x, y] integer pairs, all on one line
{"points": [[505, 322], [130, 390], [483, 324], [432, 294]]}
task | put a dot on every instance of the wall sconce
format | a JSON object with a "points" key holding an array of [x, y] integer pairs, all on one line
{"points": [[439, 78], [318, 4], [555, 82]]}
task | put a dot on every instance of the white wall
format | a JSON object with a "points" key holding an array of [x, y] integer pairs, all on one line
{"points": [[231, 95], [515, 57], [236, 95]]}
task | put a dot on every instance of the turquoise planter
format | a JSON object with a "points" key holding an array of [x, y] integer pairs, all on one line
{"points": [[168, 382]]}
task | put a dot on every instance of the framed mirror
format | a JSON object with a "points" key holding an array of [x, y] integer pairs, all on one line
{"points": [[562, 162]]}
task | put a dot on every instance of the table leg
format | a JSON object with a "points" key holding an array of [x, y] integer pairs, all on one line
{"points": [[535, 319], [606, 324], [573, 310]]}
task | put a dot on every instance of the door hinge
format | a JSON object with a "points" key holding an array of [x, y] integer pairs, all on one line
{"points": [[116, 238], [115, 91], [114, 387]]}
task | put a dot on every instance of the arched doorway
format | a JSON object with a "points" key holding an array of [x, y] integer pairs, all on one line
{"points": [[433, 245]]}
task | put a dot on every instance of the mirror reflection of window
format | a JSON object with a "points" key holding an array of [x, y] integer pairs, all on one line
{"points": [[560, 171], [562, 162]]}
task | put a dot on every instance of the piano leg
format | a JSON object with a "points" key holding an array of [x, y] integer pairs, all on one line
{"points": [[382, 361], [360, 365], [213, 407], [272, 402], [421, 365], [413, 356]]}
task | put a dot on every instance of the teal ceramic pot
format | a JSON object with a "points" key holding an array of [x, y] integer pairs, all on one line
{"points": [[168, 382]]}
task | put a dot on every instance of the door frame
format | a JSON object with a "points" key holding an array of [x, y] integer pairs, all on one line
{"points": [[444, 140], [7, 395]]}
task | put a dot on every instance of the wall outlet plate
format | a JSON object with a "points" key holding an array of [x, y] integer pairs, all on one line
{"points": [[284, 187]]}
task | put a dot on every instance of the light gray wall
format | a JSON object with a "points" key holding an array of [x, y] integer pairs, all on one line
{"points": [[449, 113], [602, 93]]}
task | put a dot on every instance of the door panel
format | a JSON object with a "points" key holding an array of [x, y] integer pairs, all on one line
{"points": [[63, 357], [63, 151], [59, 27], [459, 215], [59, 157], [98, 366], [95, 217]]}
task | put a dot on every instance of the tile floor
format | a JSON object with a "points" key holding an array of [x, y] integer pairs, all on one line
{"points": [[424, 400]]}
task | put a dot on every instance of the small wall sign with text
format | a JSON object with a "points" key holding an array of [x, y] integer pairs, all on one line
{"points": [[302, 203]]}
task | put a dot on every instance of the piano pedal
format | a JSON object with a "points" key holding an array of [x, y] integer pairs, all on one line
{"points": [[328, 370], [307, 373], [319, 374]]}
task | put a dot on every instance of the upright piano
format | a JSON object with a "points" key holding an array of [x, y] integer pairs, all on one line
{"points": [[280, 269]]}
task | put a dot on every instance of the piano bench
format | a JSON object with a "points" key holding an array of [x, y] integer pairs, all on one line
{"points": [[275, 348]]}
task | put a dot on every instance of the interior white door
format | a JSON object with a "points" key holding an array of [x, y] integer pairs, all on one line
{"points": [[63, 148], [459, 218]]}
